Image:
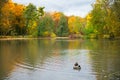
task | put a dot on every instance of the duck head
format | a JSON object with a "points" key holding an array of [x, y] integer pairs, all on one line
{"points": [[76, 64]]}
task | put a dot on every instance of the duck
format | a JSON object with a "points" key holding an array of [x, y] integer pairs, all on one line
{"points": [[76, 66]]}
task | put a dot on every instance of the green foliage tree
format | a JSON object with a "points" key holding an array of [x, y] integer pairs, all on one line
{"points": [[45, 26], [32, 14], [116, 16], [104, 18], [97, 22], [62, 29]]}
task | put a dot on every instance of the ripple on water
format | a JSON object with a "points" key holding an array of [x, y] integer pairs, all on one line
{"points": [[61, 65]]}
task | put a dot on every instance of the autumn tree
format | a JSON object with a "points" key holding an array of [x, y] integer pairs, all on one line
{"points": [[62, 29], [19, 20], [2, 2], [45, 26], [7, 17], [116, 16], [11, 19], [32, 14], [10, 15], [56, 17], [74, 24], [97, 20]]}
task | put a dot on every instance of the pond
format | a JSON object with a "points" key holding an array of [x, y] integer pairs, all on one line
{"points": [[53, 59]]}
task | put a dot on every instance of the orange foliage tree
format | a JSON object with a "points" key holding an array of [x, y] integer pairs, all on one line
{"points": [[11, 18]]}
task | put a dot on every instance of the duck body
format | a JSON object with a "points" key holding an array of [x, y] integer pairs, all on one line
{"points": [[77, 67]]}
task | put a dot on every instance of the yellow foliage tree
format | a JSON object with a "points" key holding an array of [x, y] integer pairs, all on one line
{"points": [[74, 24], [11, 17], [7, 13]]}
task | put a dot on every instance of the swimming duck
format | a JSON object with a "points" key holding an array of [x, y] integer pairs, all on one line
{"points": [[76, 66]]}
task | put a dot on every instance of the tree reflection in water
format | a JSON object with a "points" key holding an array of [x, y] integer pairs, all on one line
{"points": [[99, 59]]}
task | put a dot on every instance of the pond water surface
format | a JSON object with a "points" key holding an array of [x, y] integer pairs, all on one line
{"points": [[44, 59]]}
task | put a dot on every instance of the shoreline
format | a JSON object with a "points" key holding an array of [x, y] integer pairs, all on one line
{"points": [[28, 37]]}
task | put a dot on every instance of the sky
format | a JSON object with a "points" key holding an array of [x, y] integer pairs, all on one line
{"points": [[68, 7]]}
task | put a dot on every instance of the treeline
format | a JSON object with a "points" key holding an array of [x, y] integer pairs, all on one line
{"points": [[103, 21]]}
